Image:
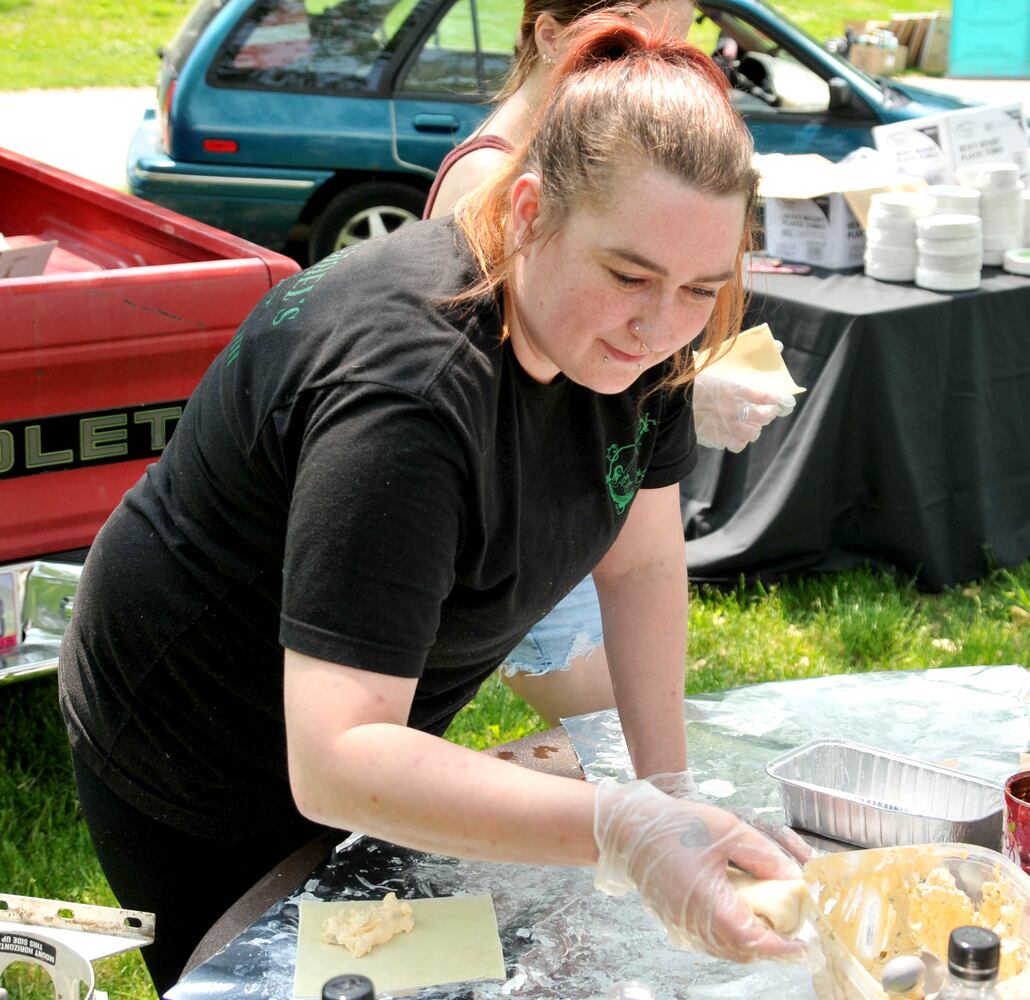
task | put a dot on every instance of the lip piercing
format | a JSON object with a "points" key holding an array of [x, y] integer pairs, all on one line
{"points": [[606, 359]]}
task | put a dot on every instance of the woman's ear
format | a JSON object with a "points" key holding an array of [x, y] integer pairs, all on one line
{"points": [[547, 34], [525, 208]]}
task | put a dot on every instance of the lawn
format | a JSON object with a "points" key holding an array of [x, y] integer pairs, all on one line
{"points": [[112, 43], [846, 622]]}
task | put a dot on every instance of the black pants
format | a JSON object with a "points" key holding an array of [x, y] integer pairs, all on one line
{"points": [[187, 881]]}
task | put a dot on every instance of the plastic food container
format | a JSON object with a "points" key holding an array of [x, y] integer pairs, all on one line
{"points": [[862, 912], [873, 798], [1018, 261]]}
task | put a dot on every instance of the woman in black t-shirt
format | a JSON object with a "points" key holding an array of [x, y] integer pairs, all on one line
{"points": [[407, 455]]}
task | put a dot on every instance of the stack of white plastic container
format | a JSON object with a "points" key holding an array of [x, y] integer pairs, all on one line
{"points": [[890, 236], [950, 252], [1017, 260], [1001, 207], [941, 236]]}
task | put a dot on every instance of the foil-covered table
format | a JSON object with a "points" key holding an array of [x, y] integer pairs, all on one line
{"points": [[561, 938]]}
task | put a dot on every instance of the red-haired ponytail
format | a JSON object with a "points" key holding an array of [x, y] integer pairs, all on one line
{"points": [[623, 94]]}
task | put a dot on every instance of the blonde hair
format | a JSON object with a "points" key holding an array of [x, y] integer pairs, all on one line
{"points": [[526, 53], [623, 94]]}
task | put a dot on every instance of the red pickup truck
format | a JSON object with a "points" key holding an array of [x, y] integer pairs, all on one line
{"points": [[98, 355]]}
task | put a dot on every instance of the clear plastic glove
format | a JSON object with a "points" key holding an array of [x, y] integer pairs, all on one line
{"points": [[681, 785], [675, 853], [730, 415]]}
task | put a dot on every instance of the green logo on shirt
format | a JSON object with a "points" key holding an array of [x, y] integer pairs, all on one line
{"points": [[624, 479], [292, 292]]}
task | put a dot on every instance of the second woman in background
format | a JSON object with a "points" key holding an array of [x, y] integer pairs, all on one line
{"points": [[560, 667]]}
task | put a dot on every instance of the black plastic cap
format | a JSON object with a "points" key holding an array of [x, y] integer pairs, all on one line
{"points": [[349, 988], [973, 954]]}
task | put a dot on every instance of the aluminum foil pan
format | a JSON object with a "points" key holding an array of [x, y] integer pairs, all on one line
{"points": [[873, 798]]}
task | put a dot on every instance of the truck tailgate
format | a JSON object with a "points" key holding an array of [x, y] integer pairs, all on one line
{"points": [[99, 354]]}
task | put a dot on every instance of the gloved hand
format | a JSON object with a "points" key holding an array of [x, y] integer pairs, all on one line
{"points": [[674, 853], [729, 415], [681, 785]]}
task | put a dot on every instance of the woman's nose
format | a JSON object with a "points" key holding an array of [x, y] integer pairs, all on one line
{"points": [[666, 328]]}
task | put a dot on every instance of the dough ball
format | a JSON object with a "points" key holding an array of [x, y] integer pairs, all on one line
{"points": [[776, 901]]}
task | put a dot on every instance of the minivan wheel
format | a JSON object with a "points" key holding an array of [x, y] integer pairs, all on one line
{"points": [[361, 212]]}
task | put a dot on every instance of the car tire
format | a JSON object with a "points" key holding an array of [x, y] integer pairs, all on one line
{"points": [[360, 212]]}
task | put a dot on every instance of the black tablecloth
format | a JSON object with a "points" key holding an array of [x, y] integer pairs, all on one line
{"points": [[910, 448]]}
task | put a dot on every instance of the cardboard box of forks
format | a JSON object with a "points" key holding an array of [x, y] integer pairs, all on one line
{"points": [[815, 210], [937, 147]]}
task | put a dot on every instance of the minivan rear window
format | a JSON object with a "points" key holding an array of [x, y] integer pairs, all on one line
{"points": [[192, 28], [309, 45]]}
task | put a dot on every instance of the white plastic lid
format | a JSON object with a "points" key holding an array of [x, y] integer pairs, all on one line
{"points": [[903, 203], [1018, 261], [883, 272], [944, 281], [890, 256], [954, 226], [1003, 239], [952, 263], [899, 238], [961, 245], [1000, 202]]}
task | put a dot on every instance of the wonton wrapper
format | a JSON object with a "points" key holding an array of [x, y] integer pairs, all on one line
{"points": [[752, 360]]}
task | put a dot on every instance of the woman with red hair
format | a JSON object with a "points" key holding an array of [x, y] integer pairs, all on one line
{"points": [[406, 456]]}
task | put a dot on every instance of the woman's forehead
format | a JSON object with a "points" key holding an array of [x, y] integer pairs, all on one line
{"points": [[648, 209]]}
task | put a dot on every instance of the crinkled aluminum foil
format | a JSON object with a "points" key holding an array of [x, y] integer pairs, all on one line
{"points": [[563, 940]]}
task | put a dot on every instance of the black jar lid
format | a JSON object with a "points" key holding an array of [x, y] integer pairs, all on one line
{"points": [[973, 954], [348, 988]]}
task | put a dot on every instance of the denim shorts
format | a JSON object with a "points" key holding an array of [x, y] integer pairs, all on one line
{"points": [[572, 628]]}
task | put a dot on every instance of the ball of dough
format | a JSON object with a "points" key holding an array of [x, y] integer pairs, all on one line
{"points": [[776, 901]]}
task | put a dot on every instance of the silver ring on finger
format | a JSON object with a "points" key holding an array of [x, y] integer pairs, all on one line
{"points": [[745, 412]]}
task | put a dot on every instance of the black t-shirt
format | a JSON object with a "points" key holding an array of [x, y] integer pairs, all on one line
{"points": [[365, 475]]}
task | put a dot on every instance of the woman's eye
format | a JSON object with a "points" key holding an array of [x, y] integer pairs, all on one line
{"points": [[703, 293], [626, 280]]}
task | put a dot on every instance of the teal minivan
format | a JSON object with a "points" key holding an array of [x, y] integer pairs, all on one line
{"points": [[306, 125]]}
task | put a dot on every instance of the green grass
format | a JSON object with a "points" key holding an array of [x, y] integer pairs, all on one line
{"points": [[838, 623], [108, 43], [86, 43], [826, 20]]}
